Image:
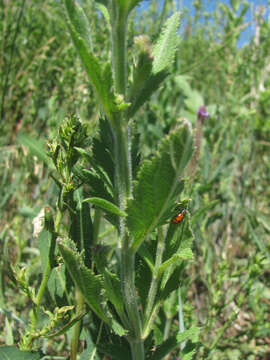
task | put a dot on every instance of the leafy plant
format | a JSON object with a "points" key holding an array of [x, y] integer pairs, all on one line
{"points": [[99, 170], [108, 262]]}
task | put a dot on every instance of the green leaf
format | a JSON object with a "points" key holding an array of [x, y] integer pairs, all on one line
{"points": [[143, 67], [191, 333], [143, 279], [113, 289], [97, 189], [106, 205], [103, 150], [185, 254], [192, 336], [165, 48], [100, 79], [100, 159], [81, 230], [194, 101], [104, 11], [89, 351], [36, 148], [79, 20], [170, 281], [150, 73], [115, 351], [158, 184], [93, 179], [147, 256], [68, 326], [9, 340], [177, 242], [13, 353], [44, 242], [92, 66], [183, 83], [189, 351], [118, 328], [139, 96], [28, 211], [125, 6], [89, 284], [110, 101], [165, 348], [173, 342], [56, 283], [178, 239]]}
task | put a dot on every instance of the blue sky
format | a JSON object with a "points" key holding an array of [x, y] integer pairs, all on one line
{"points": [[209, 5]]}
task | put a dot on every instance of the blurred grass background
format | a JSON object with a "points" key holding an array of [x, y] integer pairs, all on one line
{"points": [[42, 80]]}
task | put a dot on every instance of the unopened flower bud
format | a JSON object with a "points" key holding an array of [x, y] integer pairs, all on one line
{"points": [[202, 113]]}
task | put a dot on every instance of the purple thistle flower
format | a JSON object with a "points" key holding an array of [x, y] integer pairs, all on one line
{"points": [[202, 113]]}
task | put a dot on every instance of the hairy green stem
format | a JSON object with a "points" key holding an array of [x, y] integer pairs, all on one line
{"points": [[127, 263], [122, 153], [123, 176]]}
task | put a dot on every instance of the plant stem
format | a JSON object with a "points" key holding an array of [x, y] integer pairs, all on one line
{"points": [[97, 342], [129, 294], [58, 221], [123, 178], [123, 181], [44, 281], [123, 169], [47, 272], [154, 283], [77, 326], [120, 128], [137, 350]]}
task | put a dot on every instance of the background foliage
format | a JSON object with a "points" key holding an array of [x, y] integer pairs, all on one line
{"points": [[227, 292]]}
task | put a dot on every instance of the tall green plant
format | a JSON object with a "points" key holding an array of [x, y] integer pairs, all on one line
{"points": [[147, 201], [138, 199]]}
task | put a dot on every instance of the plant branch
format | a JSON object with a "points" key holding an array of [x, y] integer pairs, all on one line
{"points": [[77, 327], [155, 281]]}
